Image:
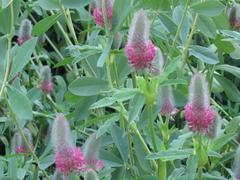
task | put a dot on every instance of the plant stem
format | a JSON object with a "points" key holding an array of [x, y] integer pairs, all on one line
{"points": [[134, 128], [9, 58], [188, 42], [151, 127], [105, 19], [108, 66]]}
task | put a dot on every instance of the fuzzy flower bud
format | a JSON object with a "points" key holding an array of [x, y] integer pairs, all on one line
{"points": [[236, 164], [25, 31], [215, 128], [91, 175], [234, 16], [18, 144], [156, 66], [46, 84], [68, 158], [167, 101], [91, 149], [98, 12], [198, 113], [140, 50]]}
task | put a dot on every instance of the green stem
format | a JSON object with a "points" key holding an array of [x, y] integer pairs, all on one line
{"points": [[105, 19], [162, 170], [151, 127], [9, 58], [108, 66], [134, 128], [188, 42]]}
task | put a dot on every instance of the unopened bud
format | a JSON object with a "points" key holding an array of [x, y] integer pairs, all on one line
{"points": [[25, 31], [167, 101], [46, 83], [18, 143], [91, 150]]}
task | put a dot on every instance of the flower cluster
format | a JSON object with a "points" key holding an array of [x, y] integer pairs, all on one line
{"points": [[68, 157]]}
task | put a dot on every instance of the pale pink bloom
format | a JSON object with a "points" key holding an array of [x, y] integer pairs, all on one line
{"points": [[98, 13]]}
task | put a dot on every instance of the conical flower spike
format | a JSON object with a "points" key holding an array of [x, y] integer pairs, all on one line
{"points": [[68, 158], [140, 50], [91, 149], [198, 113], [18, 143], [215, 128], [167, 101], [25, 31]]}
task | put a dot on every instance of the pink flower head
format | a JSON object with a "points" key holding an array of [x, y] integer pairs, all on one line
{"points": [[140, 50], [25, 31], [47, 87], [69, 159], [46, 84], [98, 13], [198, 112], [167, 101]]}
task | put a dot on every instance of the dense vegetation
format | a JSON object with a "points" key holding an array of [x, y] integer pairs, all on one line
{"points": [[124, 89]]}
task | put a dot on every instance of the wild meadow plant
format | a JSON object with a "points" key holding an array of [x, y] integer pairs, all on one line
{"points": [[119, 89]]}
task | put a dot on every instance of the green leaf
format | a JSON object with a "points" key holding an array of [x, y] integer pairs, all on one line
{"points": [[208, 8], [42, 26], [231, 69], [192, 164], [233, 125], [207, 26], [6, 3], [19, 103], [221, 141], [229, 87], [141, 154], [48, 4], [46, 161], [22, 56], [170, 155], [88, 86], [204, 54], [222, 45], [121, 10], [136, 106], [107, 125], [105, 53], [120, 140], [75, 4]]}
